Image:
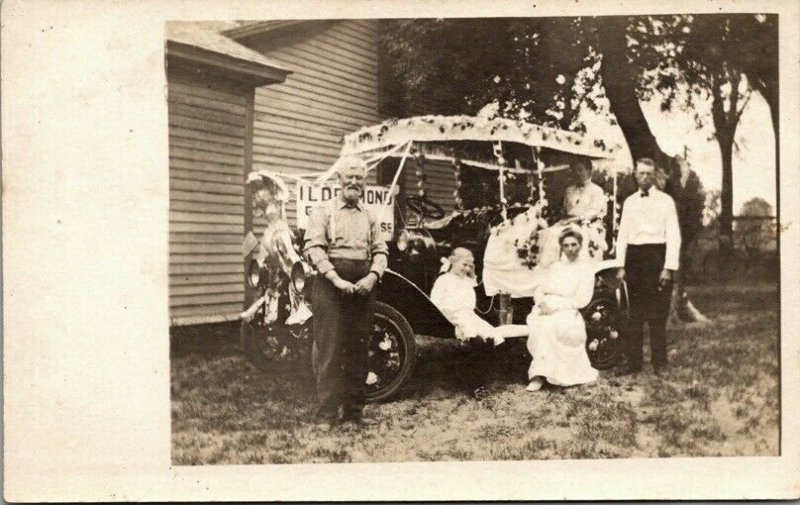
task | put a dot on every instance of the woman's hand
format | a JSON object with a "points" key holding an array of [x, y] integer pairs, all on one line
{"points": [[545, 308]]}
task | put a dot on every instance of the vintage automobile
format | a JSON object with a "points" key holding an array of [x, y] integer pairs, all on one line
{"points": [[501, 171]]}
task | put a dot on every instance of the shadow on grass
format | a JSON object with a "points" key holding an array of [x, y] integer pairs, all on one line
{"points": [[719, 398]]}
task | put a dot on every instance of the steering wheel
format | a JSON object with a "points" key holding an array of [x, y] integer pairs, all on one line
{"points": [[425, 207]]}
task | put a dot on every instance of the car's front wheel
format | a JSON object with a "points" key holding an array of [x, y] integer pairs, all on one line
{"points": [[392, 353]]}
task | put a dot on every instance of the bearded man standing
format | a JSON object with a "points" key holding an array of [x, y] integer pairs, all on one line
{"points": [[344, 243]]}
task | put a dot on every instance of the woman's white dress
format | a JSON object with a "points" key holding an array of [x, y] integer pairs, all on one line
{"points": [[455, 297], [557, 340]]}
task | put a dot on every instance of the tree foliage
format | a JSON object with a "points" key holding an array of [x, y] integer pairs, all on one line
{"points": [[532, 67], [707, 58]]}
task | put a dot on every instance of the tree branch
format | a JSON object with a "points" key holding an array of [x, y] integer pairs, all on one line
{"points": [[744, 104]]}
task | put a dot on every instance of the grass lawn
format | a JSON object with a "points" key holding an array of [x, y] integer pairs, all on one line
{"points": [[720, 398]]}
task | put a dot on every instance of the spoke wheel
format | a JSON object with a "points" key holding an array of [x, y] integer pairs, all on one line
{"points": [[262, 344], [392, 353], [604, 319], [265, 345]]}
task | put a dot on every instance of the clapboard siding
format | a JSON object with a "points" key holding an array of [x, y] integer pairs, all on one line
{"points": [[211, 145], [204, 238], [193, 89], [206, 168], [202, 269], [332, 91], [197, 279], [185, 133], [207, 103], [205, 126], [439, 184], [215, 309]]}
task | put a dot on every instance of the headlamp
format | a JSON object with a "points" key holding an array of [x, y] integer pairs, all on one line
{"points": [[298, 276], [253, 274], [402, 241]]}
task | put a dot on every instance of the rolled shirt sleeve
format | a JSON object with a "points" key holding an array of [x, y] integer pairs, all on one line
{"points": [[316, 240], [378, 248]]}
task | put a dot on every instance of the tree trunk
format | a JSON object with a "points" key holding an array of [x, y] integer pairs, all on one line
{"points": [[620, 82], [726, 199]]}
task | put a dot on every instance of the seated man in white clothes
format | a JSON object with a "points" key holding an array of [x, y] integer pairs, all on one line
{"points": [[585, 205]]}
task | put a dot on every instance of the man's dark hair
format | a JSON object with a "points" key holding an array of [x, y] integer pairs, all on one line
{"points": [[646, 161]]}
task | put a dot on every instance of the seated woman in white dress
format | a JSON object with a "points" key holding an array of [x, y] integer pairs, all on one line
{"points": [[454, 294], [584, 206], [557, 336]]}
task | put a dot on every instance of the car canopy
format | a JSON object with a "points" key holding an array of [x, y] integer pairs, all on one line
{"points": [[397, 132]]}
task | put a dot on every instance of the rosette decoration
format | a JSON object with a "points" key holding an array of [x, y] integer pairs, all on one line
{"points": [[419, 166], [459, 202]]}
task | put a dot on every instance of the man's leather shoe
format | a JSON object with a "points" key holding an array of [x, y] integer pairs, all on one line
{"points": [[359, 422], [325, 422], [324, 426]]}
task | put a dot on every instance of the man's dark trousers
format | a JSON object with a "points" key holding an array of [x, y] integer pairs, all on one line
{"points": [[648, 304], [342, 328]]}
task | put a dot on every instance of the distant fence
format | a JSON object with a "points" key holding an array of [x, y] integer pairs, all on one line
{"points": [[755, 252]]}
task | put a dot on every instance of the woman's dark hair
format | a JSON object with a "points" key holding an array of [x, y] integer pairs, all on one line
{"points": [[570, 232]]}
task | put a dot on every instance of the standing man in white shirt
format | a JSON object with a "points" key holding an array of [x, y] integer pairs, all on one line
{"points": [[648, 252]]}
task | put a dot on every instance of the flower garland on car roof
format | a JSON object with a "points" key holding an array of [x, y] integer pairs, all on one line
{"points": [[445, 128]]}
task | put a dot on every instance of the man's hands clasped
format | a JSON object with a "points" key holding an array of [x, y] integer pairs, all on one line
{"points": [[344, 286], [362, 287], [366, 283]]}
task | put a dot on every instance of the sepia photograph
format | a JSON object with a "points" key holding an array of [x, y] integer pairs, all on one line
{"points": [[399, 250], [473, 239]]}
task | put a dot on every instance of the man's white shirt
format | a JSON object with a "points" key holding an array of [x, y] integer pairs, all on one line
{"points": [[650, 219]]}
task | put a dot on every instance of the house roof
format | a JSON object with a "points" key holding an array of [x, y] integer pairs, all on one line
{"points": [[203, 42], [207, 35], [242, 29]]}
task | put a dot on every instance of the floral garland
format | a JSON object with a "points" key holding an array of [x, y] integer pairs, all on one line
{"points": [[430, 127], [596, 224], [419, 160], [527, 249], [459, 202]]}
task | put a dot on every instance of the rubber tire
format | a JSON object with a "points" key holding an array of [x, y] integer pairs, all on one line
{"points": [[408, 355], [613, 354], [251, 350]]}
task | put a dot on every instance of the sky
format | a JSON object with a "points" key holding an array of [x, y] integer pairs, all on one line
{"points": [[753, 166]]}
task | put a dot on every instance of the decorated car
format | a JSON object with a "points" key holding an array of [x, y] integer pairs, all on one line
{"points": [[494, 186]]}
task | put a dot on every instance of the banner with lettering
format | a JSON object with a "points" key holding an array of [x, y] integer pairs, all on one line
{"points": [[376, 198]]}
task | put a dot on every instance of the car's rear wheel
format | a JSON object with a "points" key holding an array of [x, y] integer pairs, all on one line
{"points": [[392, 353], [605, 317]]}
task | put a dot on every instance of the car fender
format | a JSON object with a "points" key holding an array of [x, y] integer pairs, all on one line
{"points": [[418, 309], [606, 280]]}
